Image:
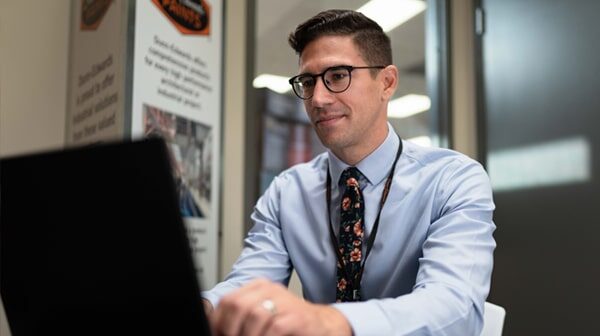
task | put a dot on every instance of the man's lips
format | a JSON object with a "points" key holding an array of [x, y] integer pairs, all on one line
{"points": [[328, 120]]}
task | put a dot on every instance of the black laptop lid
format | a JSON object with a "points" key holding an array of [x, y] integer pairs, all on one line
{"points": [[92, 243]]}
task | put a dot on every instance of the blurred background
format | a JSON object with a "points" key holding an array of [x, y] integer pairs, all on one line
{"points": [[513, 84]]}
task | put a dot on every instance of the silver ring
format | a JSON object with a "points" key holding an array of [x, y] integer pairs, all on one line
{"points": [[269, 306]]}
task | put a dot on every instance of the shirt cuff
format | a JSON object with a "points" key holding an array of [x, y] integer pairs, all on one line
{"points": [[365, 318], [212, 298]]}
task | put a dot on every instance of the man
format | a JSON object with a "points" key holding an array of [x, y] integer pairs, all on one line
{"points": [[429, 267]]}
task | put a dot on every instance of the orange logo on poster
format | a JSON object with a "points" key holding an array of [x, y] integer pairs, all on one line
{"points": [[190, 17], [92, 12]]}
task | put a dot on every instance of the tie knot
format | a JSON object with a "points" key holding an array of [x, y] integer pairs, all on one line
{"points": [[350, 177]]}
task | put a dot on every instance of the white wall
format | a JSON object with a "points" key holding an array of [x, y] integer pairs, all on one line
{"points": [[33, 74], [232, 211], [33, 79], [463, 78]]}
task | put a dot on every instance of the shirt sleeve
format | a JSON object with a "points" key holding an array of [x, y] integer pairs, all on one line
{"points": [[455, 268], [264, 254]]}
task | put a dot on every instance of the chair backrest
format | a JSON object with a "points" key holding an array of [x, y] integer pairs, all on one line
{"points": [[493, 320]]}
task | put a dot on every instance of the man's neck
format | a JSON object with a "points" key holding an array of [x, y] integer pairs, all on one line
{"points": [[354, 154]]}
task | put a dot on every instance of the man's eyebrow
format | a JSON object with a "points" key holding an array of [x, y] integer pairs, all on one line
{"points": [[329, 67]]}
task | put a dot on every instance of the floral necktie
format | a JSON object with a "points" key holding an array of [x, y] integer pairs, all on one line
{"points": [[351, 237]]}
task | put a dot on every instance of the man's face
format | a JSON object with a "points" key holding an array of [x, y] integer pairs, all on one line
{"points": [[354, 120]]}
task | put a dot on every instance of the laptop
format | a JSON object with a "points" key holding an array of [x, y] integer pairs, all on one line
{"points": [[92, 243]]}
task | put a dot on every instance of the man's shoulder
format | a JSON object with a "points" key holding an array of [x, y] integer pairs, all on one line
{"points": [[434, 156], [441, 172], [291, 185], [312, 169]]}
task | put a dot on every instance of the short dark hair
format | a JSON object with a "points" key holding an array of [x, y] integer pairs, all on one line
{"points": [[372, 42]]}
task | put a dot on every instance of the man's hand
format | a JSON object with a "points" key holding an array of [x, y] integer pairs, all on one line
{"points": [[266, 308], [208, 307]]}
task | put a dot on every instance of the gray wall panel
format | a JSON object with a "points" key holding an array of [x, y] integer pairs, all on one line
{"points": [[540, 84]]}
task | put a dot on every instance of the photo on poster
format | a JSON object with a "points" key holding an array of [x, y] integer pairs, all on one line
{"points": [[190, 148]]}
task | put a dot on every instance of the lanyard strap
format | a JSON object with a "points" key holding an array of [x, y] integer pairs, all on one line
{"points": [[371, 241]]}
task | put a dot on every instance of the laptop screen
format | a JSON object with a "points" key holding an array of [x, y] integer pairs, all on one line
{"points": [[92, 243]]}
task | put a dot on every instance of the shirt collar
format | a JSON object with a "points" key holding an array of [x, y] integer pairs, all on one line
{"points": [[376, 166]]}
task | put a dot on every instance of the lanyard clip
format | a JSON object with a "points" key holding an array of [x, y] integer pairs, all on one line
{"points": [[355, 295]]}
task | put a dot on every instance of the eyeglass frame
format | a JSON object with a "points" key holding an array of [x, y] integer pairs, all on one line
{"points": [[349, 68]]}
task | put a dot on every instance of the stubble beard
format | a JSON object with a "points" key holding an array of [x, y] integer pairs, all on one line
{"points": [[335, 141]]}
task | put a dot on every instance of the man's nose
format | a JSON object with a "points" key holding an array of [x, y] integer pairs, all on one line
{"points": [[321, 95]]}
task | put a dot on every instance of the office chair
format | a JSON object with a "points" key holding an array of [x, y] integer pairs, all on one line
{"points": [[493, 320]]}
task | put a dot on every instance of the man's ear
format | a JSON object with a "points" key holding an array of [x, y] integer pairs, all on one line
{"points": [[389, 79]]}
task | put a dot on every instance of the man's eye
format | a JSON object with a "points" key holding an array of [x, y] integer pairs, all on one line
{"points": [[307, 82], [338, 76]]}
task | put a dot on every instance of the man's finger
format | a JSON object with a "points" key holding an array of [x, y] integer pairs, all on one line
{"points": [[258, 318], [233, 309]]}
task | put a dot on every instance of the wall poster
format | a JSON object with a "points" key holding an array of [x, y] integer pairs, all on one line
{"points": [[177, 79], [95, 103], [154, 68]]}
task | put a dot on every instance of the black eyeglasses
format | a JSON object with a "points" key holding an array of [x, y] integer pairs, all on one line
{"points": [[336, 79]]}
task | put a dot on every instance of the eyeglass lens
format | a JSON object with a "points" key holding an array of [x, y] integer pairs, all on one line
{"points": [[335, 79]]}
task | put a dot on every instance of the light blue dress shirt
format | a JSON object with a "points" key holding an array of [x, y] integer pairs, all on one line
{"points": [[430, 267]]}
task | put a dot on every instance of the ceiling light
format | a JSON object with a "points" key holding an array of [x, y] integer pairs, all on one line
{"points": [[278, 84], [389, 14], [408, 105]]}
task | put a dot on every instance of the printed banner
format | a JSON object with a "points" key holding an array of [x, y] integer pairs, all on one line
{"points": [[177, 95], [96, 72], [160, 77]]}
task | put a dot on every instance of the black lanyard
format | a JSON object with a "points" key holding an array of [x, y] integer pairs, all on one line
{"points": [[334, 242]]}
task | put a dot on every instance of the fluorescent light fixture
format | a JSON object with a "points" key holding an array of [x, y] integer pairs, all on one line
{"points": [[558, 162], [408, 105], [424, 140], [389, 14], [278, 84]]}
